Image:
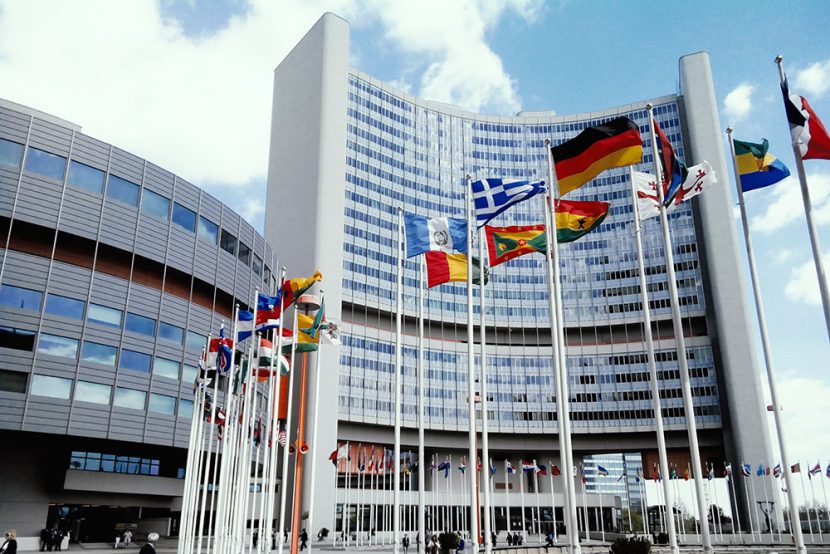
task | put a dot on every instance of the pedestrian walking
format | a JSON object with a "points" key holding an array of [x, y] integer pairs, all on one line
{"points": [[405, 543], [303, 540], [10, 544], [150, 546]]}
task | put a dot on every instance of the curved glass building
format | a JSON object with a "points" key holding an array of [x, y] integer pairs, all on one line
{"points": [[358, 149], [113, 271]]}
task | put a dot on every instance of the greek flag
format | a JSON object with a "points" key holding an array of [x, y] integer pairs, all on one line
{"points": [[493, 196]]}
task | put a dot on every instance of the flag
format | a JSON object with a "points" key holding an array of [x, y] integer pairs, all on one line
{"points": [[639, 475], [371, 467], [711, 474], [808, 133], [746, 470], [584, 479], [508, 467], [686, 474], [673, 473], [541, 469], [616, 143], [361, 461], [827, 473], [648, 201], [245, 326], [219, 355], [462, 467], [554, 470], [258, 432], [266, 353], [795, 468], [621, 477], [602, 471], [577, 219], [317, 323], [445, 467], [727, 468], [698, 178], [528, 467], [493, 196], [506, 243], [767, 471], [339, 454], [815, 469], [492, 467], [756, 166], [439, 234], [450, 268], [674, 172], [432, 463], [282, 437], [776, 471], [760, 472]]}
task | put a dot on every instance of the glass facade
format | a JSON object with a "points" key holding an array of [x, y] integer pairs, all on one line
{"points": [[401, 153]]}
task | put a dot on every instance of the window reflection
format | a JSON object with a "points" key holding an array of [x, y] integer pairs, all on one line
{"points": [[54, 345], [85, 177], [45, 163], [52, 387], [92, 392]]}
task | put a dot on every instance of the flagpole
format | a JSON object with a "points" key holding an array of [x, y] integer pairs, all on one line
{"points": [[485, 440], [190, 473], [347, 511], [396, 500], [450, 501], [808, 213], [275, 425], [538, 526], [472, 457], [585, 521], [736, 516], [713, 486], [552, 501], [806, 505], [213, 477], [644, 512], [757, 516], [815, 506], [824, 491], [680, 341], [559, 358], [522, 498], [265, 480], [507, 502], [652, 360], [227, 448], [767, 349], [422, 518], [601, 518], [284, 483]]}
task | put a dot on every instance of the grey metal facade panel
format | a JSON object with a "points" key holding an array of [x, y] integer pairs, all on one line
{"points": [[109, 291], [118, 225], [14, 125], [25, 271], [38, 200], [180, 252], [69, 280], [126, 165], [151, 238], [96, 373], [160, 180], [204, 263], [211, 208], [187, 195], [50, 137], [81, 214], [133, 379], [8, 190], [90, 151]]}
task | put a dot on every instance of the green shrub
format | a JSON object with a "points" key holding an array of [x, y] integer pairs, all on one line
{"points": [[449, 542], [633, 545]]}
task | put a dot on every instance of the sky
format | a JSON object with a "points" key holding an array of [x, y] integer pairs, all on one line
{"points": [[187, 85]]}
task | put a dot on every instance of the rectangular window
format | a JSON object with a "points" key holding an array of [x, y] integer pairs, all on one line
{"points": [[61, 347], [186, 408], [129, 398], [170, 333], [189, 373], [104, 315], [64, 306], [85, 177], [92, 392], [184, 218], [257, 265], [53, 387], [137, 361], [244, 253], [10, 153], [13, 381], [228, 243], [208, 231], [166, 368], [96, 353], [195, 342], [122, 190], [162, 404], [45, 163], [140, 324], [17, 339], [18, 297], [155, 205]]}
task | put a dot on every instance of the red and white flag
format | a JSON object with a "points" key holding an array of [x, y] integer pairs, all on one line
{"points": [[807, 130]]}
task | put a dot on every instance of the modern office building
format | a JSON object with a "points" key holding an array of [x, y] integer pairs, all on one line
{"points": [[113, 271], [347, 150], [624, 477]]}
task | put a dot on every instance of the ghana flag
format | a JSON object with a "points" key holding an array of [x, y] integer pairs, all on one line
{"points": [[576, 219], [445, 268], [756, 166], [616, 143], [506, 243]]}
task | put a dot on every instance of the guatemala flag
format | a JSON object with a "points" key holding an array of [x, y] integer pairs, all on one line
{"points": [[494, 196], [441, 234]]}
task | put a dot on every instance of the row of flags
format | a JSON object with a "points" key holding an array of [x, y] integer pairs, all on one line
{"points": [[766, 471]]}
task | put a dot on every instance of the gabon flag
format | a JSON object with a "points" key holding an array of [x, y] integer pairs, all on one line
{"points": [[616, 143]]}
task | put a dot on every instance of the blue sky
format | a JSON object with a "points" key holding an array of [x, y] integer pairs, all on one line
{"points": [[153, 76]]}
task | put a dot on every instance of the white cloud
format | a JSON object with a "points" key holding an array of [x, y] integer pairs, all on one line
{"points": [[786, 205], [803, 283], [814, 81], [738, 103], [783, 255], [201, 106]]}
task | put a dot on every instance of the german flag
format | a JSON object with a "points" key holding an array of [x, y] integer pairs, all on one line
{"points": [[613, 144], [506, 243], [577, 219], [446, 268]]}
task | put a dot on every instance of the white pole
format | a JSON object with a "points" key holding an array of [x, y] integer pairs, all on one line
{"points": [[806, 503], [422, 517], [815, 506], [585, 522], [396, 500], [485, 440], [347, 508], [538, 524], [314, 445], [288, 418], [471, 407], [559, 360], [450, 500], [824, 491], [767, 349], [269, 440], [696, 500], [213, 478], [507, 501], [360, 473], [657, 404], [811, 226], [644, 506], [272, 492], [552, 501], [601, 518], [522, 498], [220, 531], [680, 341], [190, 473]]}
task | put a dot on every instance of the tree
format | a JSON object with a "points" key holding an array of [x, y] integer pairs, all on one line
{"points": [[636, 520]]}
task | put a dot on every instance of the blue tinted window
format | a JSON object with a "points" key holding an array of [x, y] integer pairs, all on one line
{"points": [[104, 315], [53, 345], [137, 361], [184, 218], [166, 368], [17, 297], [46, 164], [189, 373], [64, 306], [186, 408], [98, 353], [208, 231], [92, 392], [195, 342], [171, 333], [162, 404], [10, 153], [85, 177], [122, 190], [53, 387], [155, 205], [130, 398], [139, 324]]}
